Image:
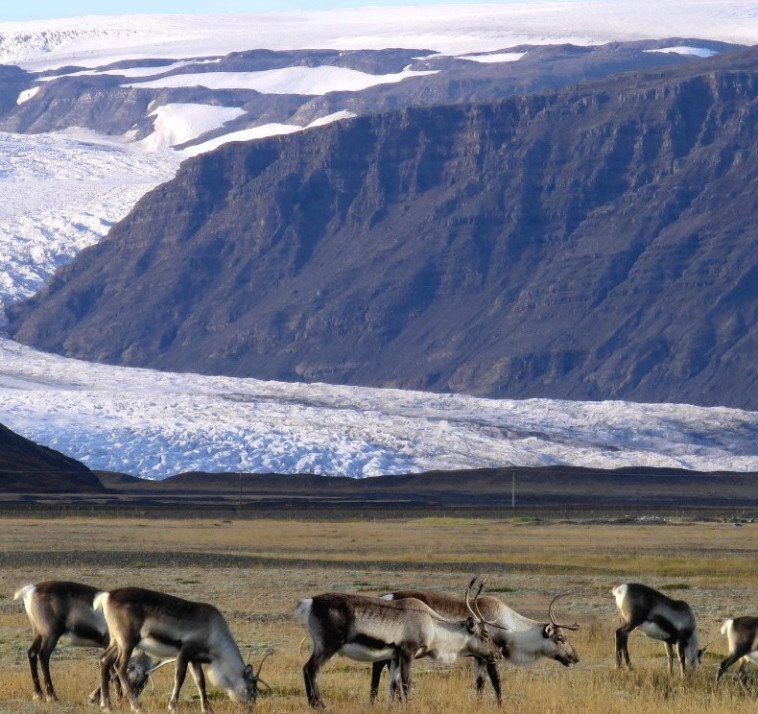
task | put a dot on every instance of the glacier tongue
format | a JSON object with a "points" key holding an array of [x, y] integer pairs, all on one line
{"points": [[155, 424]]}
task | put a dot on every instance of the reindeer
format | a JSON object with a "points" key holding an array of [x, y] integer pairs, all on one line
{"points": [[165, 626], [659, 617], [742, 634], [59, 609], [521, 640], [370, 629]]}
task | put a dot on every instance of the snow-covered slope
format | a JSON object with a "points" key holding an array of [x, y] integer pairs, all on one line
{"points": [[154, 424], [60, 193], [448, 29]]}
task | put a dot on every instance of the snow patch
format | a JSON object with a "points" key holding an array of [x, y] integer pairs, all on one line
{"points": [[329, 118], [179, 123], [257, 132], [684, 50], [286, 80], [494, 57], [27, 94]]}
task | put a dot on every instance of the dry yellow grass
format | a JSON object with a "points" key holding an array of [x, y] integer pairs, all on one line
{"points": [[710, 565]]}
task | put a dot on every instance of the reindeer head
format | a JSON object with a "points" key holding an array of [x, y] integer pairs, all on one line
{"points": [[555, 643], [692, 654], [138, 670], [480, 644], [247, 690]]}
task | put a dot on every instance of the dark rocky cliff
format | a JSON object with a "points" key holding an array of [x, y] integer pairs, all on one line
{"points": [[26, 467], [596, 242]]}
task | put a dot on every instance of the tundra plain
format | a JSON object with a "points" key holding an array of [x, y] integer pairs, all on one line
{"points": [[255, 569]]}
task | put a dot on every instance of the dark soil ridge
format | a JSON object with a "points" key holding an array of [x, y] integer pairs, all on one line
{"points": [[487, 492]]}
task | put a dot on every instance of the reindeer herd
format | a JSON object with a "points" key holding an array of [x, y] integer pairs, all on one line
{"points": [[140, 630]]}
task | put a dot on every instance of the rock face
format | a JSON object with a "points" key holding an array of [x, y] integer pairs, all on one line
{"points": [[26, 467], [596, 242]]}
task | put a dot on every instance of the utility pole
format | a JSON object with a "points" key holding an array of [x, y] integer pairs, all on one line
{"points": [[513, 489]]}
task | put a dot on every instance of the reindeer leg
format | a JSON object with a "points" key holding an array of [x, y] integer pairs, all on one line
{"points": [[622, 649], [725, 664], [106, 663], [405, 658], [479, 675], [670, 657], [45, 651], [122, 665], [311, 669], [680, 645], [33, 655], [392, 683], [376, 676], [196, 670], [180, 673], [494, 675]]}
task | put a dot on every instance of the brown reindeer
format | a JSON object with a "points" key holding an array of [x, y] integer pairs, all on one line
{"points": [[165, 626], [370, 629], [64, 610]]}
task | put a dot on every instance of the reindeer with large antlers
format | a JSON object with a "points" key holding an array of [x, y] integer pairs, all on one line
{"points": [[521, 640], [370, 629], [165, 626]]}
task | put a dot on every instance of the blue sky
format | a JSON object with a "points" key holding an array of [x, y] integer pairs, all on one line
{"points": [[40, 9]]}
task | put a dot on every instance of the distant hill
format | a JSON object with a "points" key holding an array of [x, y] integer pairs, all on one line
{"points": [[26, 467], [595, 242]]}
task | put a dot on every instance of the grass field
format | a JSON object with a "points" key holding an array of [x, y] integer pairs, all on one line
{"points": [[255, 570]]}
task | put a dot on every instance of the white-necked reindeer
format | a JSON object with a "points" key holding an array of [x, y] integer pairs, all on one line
{"points": [[368, 629], [521, 640], [659, 617], [64, 610], [166, 626], [742, 635]]}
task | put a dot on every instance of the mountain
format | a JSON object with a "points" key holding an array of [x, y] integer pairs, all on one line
{"points": [[594, 242], [264, 89], [26, 467]]}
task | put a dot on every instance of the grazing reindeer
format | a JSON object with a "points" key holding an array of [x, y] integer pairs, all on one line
{"points": [[521, 641], [659, 617], [59, 609], [368, 629], [742, 634], [166, 626]]}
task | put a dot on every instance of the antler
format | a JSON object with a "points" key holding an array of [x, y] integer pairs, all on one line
{"points": [[260, 666], [257, 674], [475, 611], [161, 664], [575, 626]]}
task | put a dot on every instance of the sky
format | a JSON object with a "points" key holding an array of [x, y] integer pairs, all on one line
{"points": [[42, 9]]}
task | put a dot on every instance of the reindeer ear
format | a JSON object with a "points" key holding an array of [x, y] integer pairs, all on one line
{"points": [[548, 631], [470, 624], [248, 670]]}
